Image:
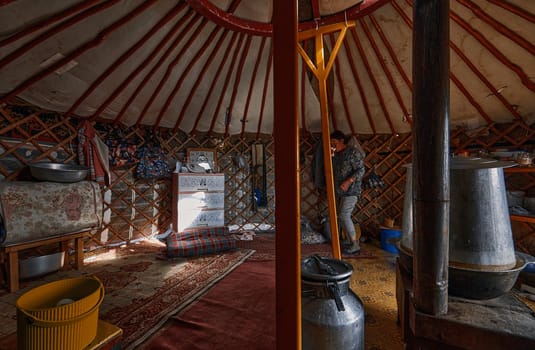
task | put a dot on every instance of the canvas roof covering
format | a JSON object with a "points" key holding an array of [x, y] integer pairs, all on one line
{"points": [[207, 65]]}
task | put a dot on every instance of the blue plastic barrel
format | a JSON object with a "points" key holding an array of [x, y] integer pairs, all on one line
{"points": [[389, 237]]}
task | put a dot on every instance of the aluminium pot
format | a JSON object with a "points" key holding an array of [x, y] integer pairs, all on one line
{"points": [[332, 315]]}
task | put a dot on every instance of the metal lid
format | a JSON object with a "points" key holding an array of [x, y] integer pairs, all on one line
{"points": [[319, 268], [457, 163], [478, 163]]}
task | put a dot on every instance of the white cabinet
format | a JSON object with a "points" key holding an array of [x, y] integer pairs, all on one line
{"points": [[198, 200]]}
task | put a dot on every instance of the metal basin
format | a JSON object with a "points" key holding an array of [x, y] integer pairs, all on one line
{"points": [[476, 284], [58, 172], [40, 265]]}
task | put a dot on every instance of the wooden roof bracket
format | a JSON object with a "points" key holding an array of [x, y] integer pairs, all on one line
{"points": [[321, 72]]}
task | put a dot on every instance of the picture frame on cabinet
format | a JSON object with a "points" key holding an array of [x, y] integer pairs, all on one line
{"points": [[204, 157]]}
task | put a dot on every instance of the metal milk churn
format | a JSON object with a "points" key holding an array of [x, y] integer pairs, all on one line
{"points": [[332, 314]]}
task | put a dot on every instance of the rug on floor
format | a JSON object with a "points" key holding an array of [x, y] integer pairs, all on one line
{"points": [[239, 312], [143, 288], [264, 246]]}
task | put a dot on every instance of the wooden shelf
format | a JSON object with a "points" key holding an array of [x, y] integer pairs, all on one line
{"points": [[522, 218]]}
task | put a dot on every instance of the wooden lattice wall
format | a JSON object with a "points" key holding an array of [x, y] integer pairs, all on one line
{"points": [[136, 209]]}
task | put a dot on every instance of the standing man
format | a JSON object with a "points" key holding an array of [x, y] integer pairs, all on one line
{"points": [[348, 171]]}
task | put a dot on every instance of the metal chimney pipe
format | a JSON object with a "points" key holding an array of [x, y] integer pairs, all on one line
{"points": [[430, 76]]}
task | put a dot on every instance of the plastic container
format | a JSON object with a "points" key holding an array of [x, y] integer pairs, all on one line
{"points": [[389, 237], [59, 315]]}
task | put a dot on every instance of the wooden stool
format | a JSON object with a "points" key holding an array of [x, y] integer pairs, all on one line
{"points": [[9, 255], [108, 337]]}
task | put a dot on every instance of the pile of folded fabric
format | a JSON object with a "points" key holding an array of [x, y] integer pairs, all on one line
{"points": [[199, 241]]}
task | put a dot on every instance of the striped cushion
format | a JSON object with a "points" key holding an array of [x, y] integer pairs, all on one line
{"points": [[199, 241]]}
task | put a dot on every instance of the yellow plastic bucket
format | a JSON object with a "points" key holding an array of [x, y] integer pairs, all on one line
{"points": [[59, 315]]}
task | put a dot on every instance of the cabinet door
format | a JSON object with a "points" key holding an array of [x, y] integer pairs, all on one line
{"points": [[201, 182], [200, 218], [201, 200]]}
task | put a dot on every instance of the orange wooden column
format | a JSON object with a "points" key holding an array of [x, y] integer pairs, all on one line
{"points": [[321, 72], [287, 213]]}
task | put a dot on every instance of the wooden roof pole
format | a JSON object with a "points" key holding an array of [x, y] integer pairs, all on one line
{"points": [[321, 72], [287, 213]]}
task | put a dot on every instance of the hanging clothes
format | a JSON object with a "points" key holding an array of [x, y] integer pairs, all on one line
{"points": [[94, 154], [317, 167]]}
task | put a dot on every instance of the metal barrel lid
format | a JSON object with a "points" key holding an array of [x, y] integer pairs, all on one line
{"points": [[317, 268], [473, 163], [478, 163]]}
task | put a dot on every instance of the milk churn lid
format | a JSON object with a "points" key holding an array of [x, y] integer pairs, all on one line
{"points": [[319, 268]]}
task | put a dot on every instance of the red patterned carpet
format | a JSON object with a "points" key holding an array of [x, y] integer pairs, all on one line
{"points": [[143, 288], [187, 304], [264, 246], [239, 312]]}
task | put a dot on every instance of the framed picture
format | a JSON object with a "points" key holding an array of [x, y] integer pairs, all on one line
{"points": [[204, 157]]}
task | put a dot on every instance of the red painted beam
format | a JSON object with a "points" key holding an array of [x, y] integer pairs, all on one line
{"points": [[264, 92], [168, 72], [185, 71], [372, 79], [225, 85], [158, 64], [469, 63], [125, 56], [237, 80], [199, 78], [48, 21], [470, 98], [287, 191], [214, 80], [499, 27], [363, 98], [233, 6], [140, 67], [315, 8], [77, 52], [494, 51], [251, 85], [391, 51], [341, 88], [514, 9], [47, 34], [228, 20], [388, 74]]}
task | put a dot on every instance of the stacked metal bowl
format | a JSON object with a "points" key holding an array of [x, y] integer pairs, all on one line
{"points": [[58, 172]]}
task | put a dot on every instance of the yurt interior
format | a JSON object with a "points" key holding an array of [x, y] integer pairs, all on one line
{"points": [[167, 182]]}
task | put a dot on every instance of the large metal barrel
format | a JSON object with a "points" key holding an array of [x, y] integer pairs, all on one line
{"points": [[332, 314], [482, 260], [480, 227]]}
